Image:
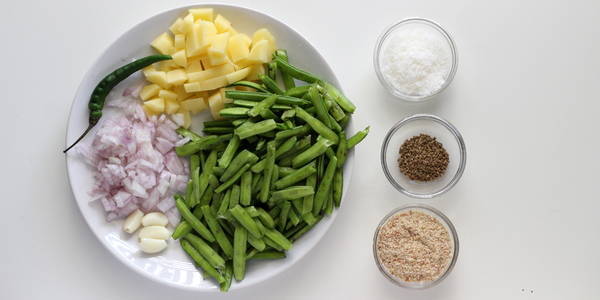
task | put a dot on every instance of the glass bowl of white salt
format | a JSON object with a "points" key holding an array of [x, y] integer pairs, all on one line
{"points": [[415, 59]]}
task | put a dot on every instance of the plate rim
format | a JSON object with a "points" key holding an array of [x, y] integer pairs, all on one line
{"points": [[347, 172]]}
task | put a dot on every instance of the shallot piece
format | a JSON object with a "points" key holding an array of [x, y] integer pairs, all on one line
{"points": [[134, 162]]}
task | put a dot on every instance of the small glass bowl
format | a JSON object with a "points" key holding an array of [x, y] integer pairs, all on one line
{"points": [[379, 47], [436, 127], [443, 220]]}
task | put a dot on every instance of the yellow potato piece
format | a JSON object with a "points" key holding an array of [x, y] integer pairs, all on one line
{"points": [[188, 22], [149, 91], [167, 95], [156, 106], [194, 66], [210, 73], [180, 58], [238, 75], [163, 44], [194, 105], [217, 53], [215, 102], [260, 52], [263, 34], [176, 77], [255, 71], [202, 13], [181, 93], [179, 41], [158, 77], [171, 107], [222, 24], [177, 26], [238, 48], [206, 85]]}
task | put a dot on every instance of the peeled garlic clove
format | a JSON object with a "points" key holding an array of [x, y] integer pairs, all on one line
{"points": [[152, 245], [133, 221], [154, 232], [155, 219]]}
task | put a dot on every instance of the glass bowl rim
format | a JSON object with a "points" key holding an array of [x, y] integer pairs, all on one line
{"points": [[457, 136], [433, 211], [378, 48]]}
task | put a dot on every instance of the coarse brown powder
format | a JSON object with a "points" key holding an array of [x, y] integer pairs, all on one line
{"points": [[414, 246], [423, 158]]}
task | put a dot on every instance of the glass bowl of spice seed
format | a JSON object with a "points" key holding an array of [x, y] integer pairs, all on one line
{"points": [[415, 246], [423, 156]]}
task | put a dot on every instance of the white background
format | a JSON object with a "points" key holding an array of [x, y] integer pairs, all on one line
{"points": [[525, 99]]}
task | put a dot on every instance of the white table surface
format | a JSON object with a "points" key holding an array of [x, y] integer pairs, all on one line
{"points": [[524, 98]]}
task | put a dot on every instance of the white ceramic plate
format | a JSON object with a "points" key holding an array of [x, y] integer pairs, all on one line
{"points": [[173, 267]]}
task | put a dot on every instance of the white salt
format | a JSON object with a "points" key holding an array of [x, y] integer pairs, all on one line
{"points": [[416, 61]]}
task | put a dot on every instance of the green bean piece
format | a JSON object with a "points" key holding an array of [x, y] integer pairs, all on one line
{"points": [[285, 171], [263, 196], [216, 203], [283, 216], [250, 84], [255, 129], [295, 72], [275, 175], [251, 104], [244, 219], [218, 171], [262, 105], [296, 176], [195, 146], [320, 167], [233, 179], [222, 240], [211, 256], [227, 156], [334, 124], [98, 97], [241, 159], [269, 114], [296, 131], [256, 181], [338, 186], [224, 204], [227, 277], [329, 202], [298, 91], [216, 123], [234, 112], [319, 104], [341, 151], [336, 111], [358, 137], [293, 218], [329, 153], [207, 196], [252, 211], [184, 132], [317, 125], [200, 261], [258, 96], [271, 244], [240, 240], [270, 84], [189, 192], [271, 70], [268, 255], [246, 189], [301, 146], [234, 198], [278, 238], [265, 218], [292, 193], [323, 191], [181, 230], [256, 243], [308, 218], [288, 81], [311, 153], [194, 222], [341, 100], [239, 122], [288, 114], [304, 230], [217, 130]]}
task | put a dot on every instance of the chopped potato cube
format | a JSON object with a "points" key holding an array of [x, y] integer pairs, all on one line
{"points": [[171, 107], [158, 77], [217, 53], [167, 95], [202, 13], [149, 91], [193, 41], [156, 106], [255, 71], [238, 75], [163, 44], [165, 65], [176, 77], [179, 41], [222, 24], [215, 102], [239, 47], [177, 26], [180, 58], [208, 31], [260, 53], [206, 85], [194, 66], [210, 73], [181, 93], [263, 34], [194, 105], [188, 22]]}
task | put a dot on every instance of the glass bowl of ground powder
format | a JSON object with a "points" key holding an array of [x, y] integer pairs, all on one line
{"points": [[415, 59], [423, 156], [415, 246]]}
